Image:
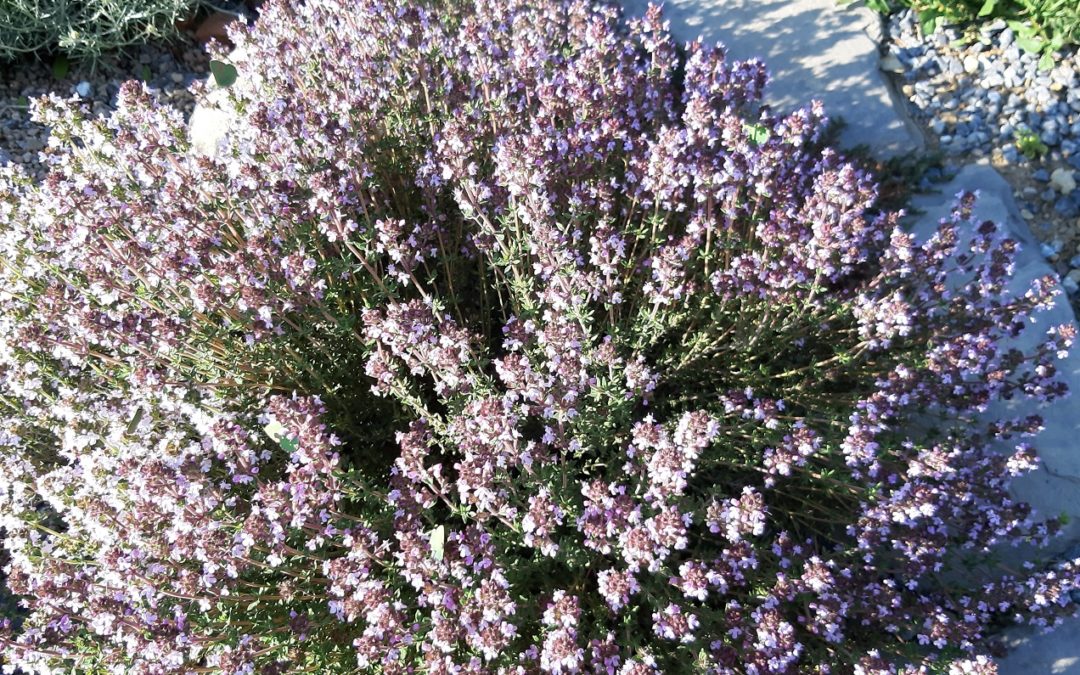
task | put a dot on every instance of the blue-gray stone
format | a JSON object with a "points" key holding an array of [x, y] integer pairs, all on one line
{"points": [[1067, 207], [1050, 249], [1041, 175]]}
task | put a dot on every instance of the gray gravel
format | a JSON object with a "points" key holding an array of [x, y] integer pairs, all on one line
{"points": [[169, 71], [981, 96]]}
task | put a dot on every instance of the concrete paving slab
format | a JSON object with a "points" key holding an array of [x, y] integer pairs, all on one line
{"points": [[1034, 652], [1055, 488], [813, 49]]}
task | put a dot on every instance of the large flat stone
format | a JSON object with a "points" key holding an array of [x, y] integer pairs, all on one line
{"points": [[1034, 652], [814, 49], [1054, 488]]}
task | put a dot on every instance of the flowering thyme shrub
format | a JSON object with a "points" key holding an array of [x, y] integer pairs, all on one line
{"points": [[499, 338]]}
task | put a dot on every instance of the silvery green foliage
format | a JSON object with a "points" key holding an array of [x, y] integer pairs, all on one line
{"points": [[502, 338], [84, 28]]}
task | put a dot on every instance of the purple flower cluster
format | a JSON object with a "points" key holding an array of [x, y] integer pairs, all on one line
{"points": [[502, 337]]}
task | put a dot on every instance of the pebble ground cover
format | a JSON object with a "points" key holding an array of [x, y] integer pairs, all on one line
{"points": [[500, 338], [983, 95]]}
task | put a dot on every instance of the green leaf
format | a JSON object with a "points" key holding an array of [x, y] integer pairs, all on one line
{"points": [[928, 21], [1032, 45], [437, 540], [224, 73], [134, 423], [145, 74], [988, 8], [1047, 61], [758, 133], [60, 67], [289, 445]]}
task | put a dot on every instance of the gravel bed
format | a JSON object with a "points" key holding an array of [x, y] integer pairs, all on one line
{"points": [[168, 70], [981, 96]]}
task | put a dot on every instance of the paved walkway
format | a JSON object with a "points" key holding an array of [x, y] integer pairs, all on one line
{"points": [[813, 49]]}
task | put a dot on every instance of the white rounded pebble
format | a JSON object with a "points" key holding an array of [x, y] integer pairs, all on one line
{"points": [[1062, 179]]}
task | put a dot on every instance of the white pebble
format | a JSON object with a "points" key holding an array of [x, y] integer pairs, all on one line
{"points": [[1063, 180]]}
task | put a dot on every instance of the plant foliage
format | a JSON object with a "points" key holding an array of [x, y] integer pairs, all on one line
{"points": [[85, 29], [1040, 26], [498, 337]]}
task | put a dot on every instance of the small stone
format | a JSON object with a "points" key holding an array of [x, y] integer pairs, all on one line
{"points": [[1050, 249], [1041, 175], [1066, 207], [84, 89], [971, 64], [1062, 179], [177, 78], [1027, 214], [1069, 283], [891, 64]]}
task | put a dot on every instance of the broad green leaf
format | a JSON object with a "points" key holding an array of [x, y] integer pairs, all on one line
{"points": [[1031, 44], [928, 21], [289, 444], [1047, 61], [437, 540], [145, 74], [60, 67], [224, 73], [988, 8]]}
